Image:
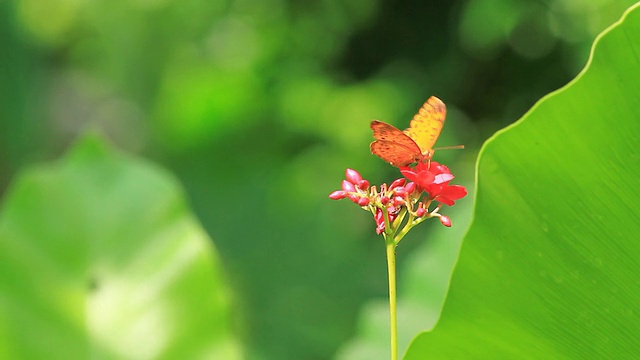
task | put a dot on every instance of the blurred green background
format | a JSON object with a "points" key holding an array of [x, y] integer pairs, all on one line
{"points": [[259, 106]]}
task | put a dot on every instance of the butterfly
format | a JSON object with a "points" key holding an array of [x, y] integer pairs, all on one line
{"points": [[415, 144]]}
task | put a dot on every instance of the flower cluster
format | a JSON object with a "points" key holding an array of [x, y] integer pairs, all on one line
{"points": [[396, 208]]}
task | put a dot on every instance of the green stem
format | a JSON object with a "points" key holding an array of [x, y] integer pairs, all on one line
{"points": [[391, 267], [404, 230]]}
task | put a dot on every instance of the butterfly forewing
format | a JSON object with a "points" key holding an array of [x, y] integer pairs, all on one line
{"points": [[392, 145], [426, 125]]}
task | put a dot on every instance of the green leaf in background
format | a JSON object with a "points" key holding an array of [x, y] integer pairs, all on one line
{"points": [[549, 268], [101, 258]]}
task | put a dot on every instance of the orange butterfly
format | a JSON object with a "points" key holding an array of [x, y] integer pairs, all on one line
{"points": [[415, 144]]}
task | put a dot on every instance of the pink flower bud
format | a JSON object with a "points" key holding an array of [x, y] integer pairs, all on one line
{"points": [[363, 184], [348, 186], [379, 216], [337, 195], [384, 200], [400, 191], [445, 220], [421, 212], [398, 200], [363, 201], [353, 176], [397, 182], [410, 187]]}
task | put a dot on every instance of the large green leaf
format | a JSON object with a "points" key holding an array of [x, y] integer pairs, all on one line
{"points": [[101, 258], [549, 268]]}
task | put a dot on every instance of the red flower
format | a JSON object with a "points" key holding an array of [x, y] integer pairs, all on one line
{"points": [[420, 175], [425, 174], [434, 179]]}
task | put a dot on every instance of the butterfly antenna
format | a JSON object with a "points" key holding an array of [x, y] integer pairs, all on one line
{"points": [[449, 147], [433, 151]]}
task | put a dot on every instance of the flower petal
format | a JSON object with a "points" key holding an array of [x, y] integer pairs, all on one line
{"points": [[444, 200], [456, 192], [442, 178]]}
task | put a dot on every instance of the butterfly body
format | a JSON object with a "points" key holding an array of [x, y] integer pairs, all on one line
{"points": [[415, 144]]}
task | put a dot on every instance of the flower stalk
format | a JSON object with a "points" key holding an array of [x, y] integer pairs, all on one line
{"points": [[393, 308]]}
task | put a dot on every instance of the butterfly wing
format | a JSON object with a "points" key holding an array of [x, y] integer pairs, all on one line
{"points": [[426, 125], [392, 145]]}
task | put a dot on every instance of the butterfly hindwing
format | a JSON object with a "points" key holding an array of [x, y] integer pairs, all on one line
{"points": [[392, 152]]}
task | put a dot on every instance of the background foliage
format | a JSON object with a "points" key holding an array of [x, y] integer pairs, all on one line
{"points": [[84, 274], [258, 106]]}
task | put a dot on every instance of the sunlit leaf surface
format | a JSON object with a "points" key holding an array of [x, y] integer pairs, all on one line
{"points": [[549, 267]]}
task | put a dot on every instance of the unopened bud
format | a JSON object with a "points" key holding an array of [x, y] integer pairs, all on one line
{"points": [[445, 220], [363, 201], [353, 176], [337, 195], [348, 186], [384, 200], [379, 216], [410, 187], [397, 182], [421, 212], [363, 184], [400, 191]]}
